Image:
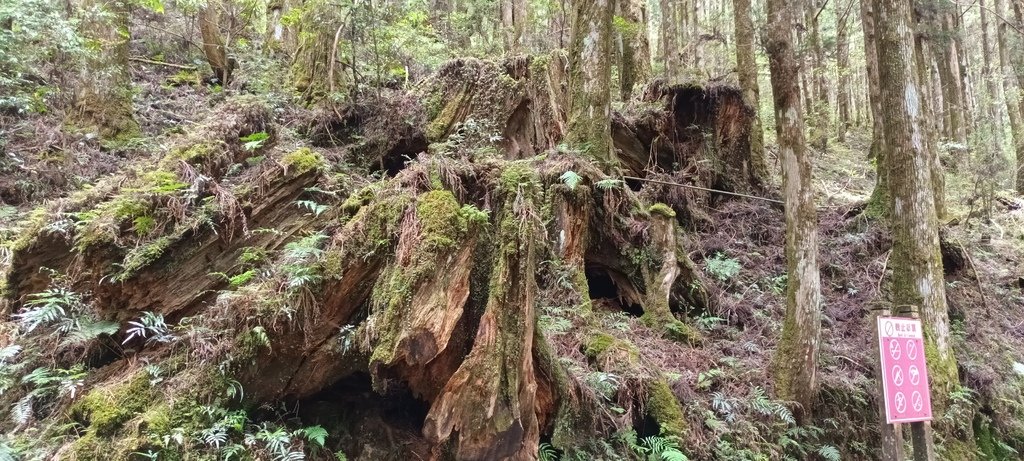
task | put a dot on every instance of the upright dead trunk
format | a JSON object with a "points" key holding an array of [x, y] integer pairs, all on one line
{"points": [[877, 151], [513, 21], [634, 50], [796, 362], [103, 98], [1011, 93], [590, 75], [746, 67], [917, 266], [843, 68], [213, 43]]}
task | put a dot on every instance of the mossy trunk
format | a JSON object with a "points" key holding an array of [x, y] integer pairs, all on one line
{"points": [[746, 66], [634, 49], [917, 280], [869, 22], [590, 78], [796, 361]]}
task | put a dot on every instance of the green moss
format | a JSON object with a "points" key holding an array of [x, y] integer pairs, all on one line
{"points": [[438, 127], [662, 209], [602, 347], [142, 256], [304, 160], [441, 221], [195, 154], [597, 344], [663, 407], [143, 225], [104, 410], [243, 278], [160, 182], [29, 229]]}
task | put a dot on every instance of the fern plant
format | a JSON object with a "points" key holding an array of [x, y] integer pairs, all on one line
{"points": [[150, 327], [722, 267], [662, 449], [571, 179], [47, 307], [546, 452]]}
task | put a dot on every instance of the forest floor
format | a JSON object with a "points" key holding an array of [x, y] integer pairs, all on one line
{"points": [[722, 380]]}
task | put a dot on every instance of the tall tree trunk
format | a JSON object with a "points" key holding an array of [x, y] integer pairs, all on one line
{"points": [[994, 127], [103, 97], [928, 126], [949, 75], [843, 68], [635, 52], [669, 41], [213, 43], [513, 21], [796, 361], [590, 75], [1017, 63], [819, 109], [916, 263], [746, 67], [1011, 93], [869, 23]]}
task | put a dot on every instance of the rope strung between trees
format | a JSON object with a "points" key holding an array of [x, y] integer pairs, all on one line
{"points": [[705, 189]]}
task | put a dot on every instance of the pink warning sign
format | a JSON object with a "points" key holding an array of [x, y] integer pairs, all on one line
{"points": [[904, 373]]}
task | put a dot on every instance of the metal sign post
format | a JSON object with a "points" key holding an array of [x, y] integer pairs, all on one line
{"points": [[904, 379], [892, 435]]}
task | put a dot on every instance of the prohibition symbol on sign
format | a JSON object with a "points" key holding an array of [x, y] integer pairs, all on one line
{"points": [[901, 402], [889, 329], [897, 375], [894, 349], [911, 349], [917, 401], [915, 375]]}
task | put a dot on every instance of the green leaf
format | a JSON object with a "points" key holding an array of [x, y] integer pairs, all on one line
{"points": [[571, 179], [315, 434]]}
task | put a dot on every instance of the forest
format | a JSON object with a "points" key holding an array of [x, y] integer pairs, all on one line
{"points": [[529, 230]]}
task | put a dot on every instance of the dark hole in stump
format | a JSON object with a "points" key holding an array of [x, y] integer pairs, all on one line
{"points": [[602, 287], [357, 417]]}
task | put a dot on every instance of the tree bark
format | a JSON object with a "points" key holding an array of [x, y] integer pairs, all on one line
{"points": [[917, 279], [746, 67], [513, 21], [928, 125], [796, 361], [843, 68], [590, 74], [213, 43], [1011, 93], [669, 41], [869, 21], [635, 52], [949, 75], [819, 108], [1017, 64]]}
